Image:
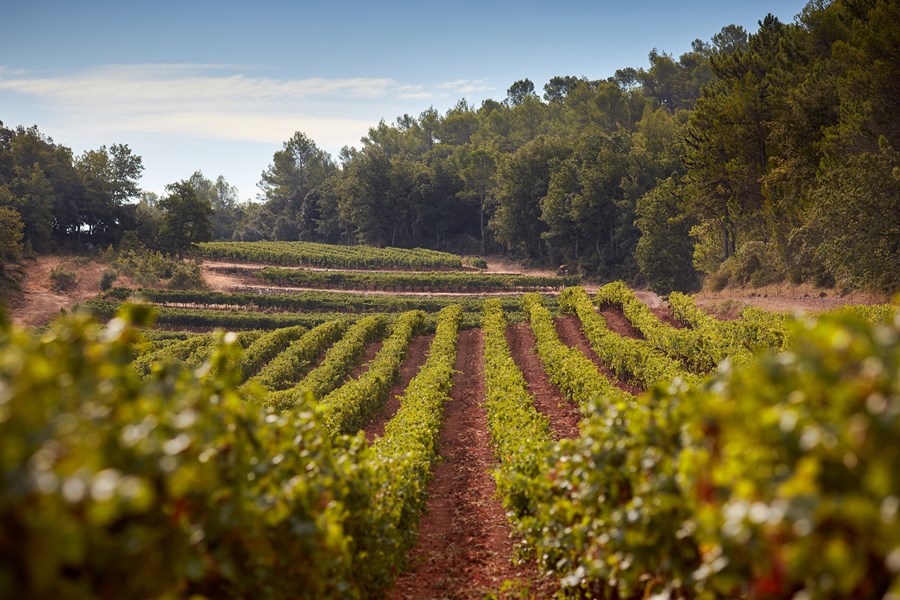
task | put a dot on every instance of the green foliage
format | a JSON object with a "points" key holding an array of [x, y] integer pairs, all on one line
{"points": [[148, 268], [335, 367], [172, 486], [522, 180], [569, 370], [186, 276], [187, 318], [423, 281], [290, 365], [857, 221], [754, 263], [589, 221], [156, 476], [730, 335], [267, 347], [612, 516], [178, 350], [62, 198], [520, 434], [109, 180], [12, 230], [107, 279], [348, 408], [789, 160], [335, 302], [332, 256], [296, 170], [61, 279], [731, 489], [185, 217], [631, 359], [205, 319], [792, 475], [587, 506], [699, 349], [404, 455], [665, 250]]}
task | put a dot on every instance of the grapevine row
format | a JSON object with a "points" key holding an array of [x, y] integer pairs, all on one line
{"points": [[266, 347], [520, 434], [349, 408], [336, 366], [439, 281], [287, 367], [333, 256], [175, 350], [169, 486], [404, 455], [574, 500], [569, 370], [233, 320], [324, 302], [698, 349], [631, 359]]}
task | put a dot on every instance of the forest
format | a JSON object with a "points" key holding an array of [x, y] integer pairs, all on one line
{"points": [[753, 158]]}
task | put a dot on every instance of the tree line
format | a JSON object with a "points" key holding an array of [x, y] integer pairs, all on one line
{"points": [[51, 199], [751, 158]]}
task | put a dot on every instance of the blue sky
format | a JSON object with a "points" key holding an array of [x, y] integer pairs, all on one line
{"points": [[218, 86]]}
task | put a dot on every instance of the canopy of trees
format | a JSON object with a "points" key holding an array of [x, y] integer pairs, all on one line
{"points": [[750, 158], [63, 198]]}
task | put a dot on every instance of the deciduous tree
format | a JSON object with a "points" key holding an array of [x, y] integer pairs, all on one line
{"points": [[185, 217]]}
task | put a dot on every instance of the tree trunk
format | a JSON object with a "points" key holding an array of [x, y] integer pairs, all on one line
{"points": [[481, 216]]}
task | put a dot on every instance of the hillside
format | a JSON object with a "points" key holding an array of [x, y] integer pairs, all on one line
{"points": [[439, 436], [37, 303]]}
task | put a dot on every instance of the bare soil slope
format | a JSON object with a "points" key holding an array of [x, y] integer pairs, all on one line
{"points": [[783, 298], [38, 303]]}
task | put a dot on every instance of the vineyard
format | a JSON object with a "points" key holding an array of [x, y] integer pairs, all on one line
{"points": [[348, 445], [327, 256]]}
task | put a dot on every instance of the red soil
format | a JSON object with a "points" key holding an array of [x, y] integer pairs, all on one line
{"points": [[464, 549], [366, 359], [415, 358], [37, 303], [569, 330], [563, 414], [619, 323], [664, 314]]}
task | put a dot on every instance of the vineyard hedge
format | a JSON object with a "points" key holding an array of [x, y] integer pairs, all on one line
{"points": [[334, 256]]}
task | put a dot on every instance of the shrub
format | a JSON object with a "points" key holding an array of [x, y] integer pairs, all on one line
{"points": [[11, 232], [109, 277], [186, 276], [755, 264], [149, 269], [61, 280]]}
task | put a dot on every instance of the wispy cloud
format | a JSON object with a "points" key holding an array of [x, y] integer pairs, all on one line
{"points": [[465, 86], [219, 101]]}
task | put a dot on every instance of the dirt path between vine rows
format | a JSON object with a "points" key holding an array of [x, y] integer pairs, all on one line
{"points": [[415, 358], [664, 314], [464, 549], [568, 328], [619, 323], [563, 415], [366, 359]]}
